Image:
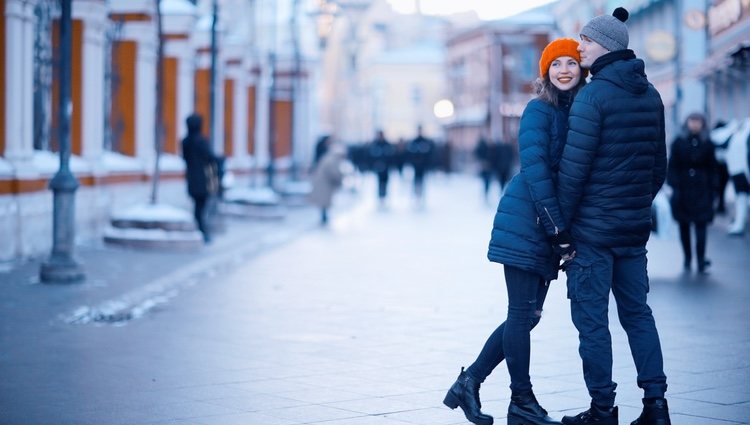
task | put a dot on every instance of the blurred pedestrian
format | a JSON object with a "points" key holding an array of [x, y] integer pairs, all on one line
{"points": [[611, 169], [380, 153], [504, 159], [321, 147], [420, 153], [692, 174], [482, 154], [201, 173], [327, 179], [528, 219], [720, 136], [399, 156], [738, 156]]}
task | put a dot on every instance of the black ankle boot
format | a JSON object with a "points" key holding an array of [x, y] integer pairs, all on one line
{"points": [[525, 410], [655, 412], [595, 415], [465, 393], [703, 266]]}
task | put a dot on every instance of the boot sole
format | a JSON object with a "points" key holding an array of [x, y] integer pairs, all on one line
{"points": [[453, 402], [515, 420]]}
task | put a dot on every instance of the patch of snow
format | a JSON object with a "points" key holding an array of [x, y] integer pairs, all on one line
{"points": [[113, 161], [260, 195], [46, 162], [170, 162], [6, 169], [152, 235], [177, 7], [241, 162], [297, 188], [153, 212]]}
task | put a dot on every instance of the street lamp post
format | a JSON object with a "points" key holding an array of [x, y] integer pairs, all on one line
{"points": [[212, 83], [60, 267], [270, 170]]}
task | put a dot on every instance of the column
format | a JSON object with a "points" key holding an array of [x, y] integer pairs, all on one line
{"points": [[93, 15], [134, 65], [19, 71], [179, 18]]}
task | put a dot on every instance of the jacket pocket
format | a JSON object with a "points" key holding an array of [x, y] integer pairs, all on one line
{"points": [[579, 281]]}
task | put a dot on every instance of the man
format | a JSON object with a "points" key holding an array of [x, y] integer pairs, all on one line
{"points": [[381, 153], [201, 171], [613, 165], [420, 153]]}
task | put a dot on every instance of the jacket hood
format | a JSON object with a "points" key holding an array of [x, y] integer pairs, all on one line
{"points": [[194, 124], [623, 69]]}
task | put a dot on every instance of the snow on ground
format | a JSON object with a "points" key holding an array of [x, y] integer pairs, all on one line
{"points": [[153, 212], [249, 195]]}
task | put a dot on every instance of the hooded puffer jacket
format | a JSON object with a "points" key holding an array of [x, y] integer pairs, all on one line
{"points": [[528, 214], [614, 161]]}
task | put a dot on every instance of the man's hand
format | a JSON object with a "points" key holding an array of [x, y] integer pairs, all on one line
{"points": [[563, 246]]}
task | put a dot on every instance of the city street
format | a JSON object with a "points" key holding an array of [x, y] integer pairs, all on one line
{"points": [[367, 322]]}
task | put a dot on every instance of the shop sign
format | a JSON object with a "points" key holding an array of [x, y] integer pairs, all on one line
{"points": [[726, 14], [695, 19], [661, 46]]}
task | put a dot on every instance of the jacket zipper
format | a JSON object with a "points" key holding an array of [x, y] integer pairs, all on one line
{"points": [[557, 231]]}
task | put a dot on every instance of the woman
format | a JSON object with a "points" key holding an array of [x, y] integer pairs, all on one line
{"points": [[692, 174], [327, 179], [527, 224]]}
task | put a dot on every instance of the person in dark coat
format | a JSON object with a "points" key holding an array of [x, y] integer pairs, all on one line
{"points": [[380, 155], [201, 171], [482, 153], [527, 222], [503, 160], [612, 167], [692, 174], [420, 153]]}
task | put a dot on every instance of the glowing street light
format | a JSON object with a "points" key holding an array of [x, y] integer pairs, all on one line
{"points": [[443, 109]]}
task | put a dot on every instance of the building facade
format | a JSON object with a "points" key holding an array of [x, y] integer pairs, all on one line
{"points": [[491, 70], [382, 71], [262, 109]]}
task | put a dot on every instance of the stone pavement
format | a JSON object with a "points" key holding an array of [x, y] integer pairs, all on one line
{"points": [[366, 322]]}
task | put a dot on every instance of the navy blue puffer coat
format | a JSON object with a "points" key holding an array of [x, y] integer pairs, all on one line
{"points": [[528, 213], [615, 159]]}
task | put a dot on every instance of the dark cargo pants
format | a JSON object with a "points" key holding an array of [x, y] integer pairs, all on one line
{"points": [[591, 275]]}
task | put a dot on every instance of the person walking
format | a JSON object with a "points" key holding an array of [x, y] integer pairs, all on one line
{"points": [[420, 153], [738, 165], [527, 226], [612, 167], [381, 153], [503, 161], [482, 153], [327, 179], [201, 171], [692, 174]]}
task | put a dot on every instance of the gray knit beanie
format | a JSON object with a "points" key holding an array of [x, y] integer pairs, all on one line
{"points": [[609, 30]]}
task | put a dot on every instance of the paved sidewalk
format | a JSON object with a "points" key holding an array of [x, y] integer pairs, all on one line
{"points": [[367, 322]]}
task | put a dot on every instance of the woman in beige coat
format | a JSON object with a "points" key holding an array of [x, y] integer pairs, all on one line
{"points": [[327, 179]]}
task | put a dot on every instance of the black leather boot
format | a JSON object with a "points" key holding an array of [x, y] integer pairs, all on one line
{"points": [[655, 412], [525, 410], [595, 415], [465, 393]]}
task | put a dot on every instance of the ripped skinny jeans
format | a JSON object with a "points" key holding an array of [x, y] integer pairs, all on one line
{"points": [[511, 340]]}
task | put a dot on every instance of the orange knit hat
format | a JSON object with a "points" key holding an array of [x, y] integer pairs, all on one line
{"points": [[557, 48]]}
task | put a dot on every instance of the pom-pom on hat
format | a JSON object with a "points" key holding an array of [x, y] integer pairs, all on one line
{"points": [[555, 49], [609, 30]]}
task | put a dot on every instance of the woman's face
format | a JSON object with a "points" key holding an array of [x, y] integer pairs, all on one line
{"points": [[695, 125], [565, 73]]}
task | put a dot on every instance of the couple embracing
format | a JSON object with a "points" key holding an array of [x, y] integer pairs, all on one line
{"points": [[593, 157]]}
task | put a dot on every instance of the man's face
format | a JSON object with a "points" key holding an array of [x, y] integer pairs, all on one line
{"points": [[590, 51]]}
